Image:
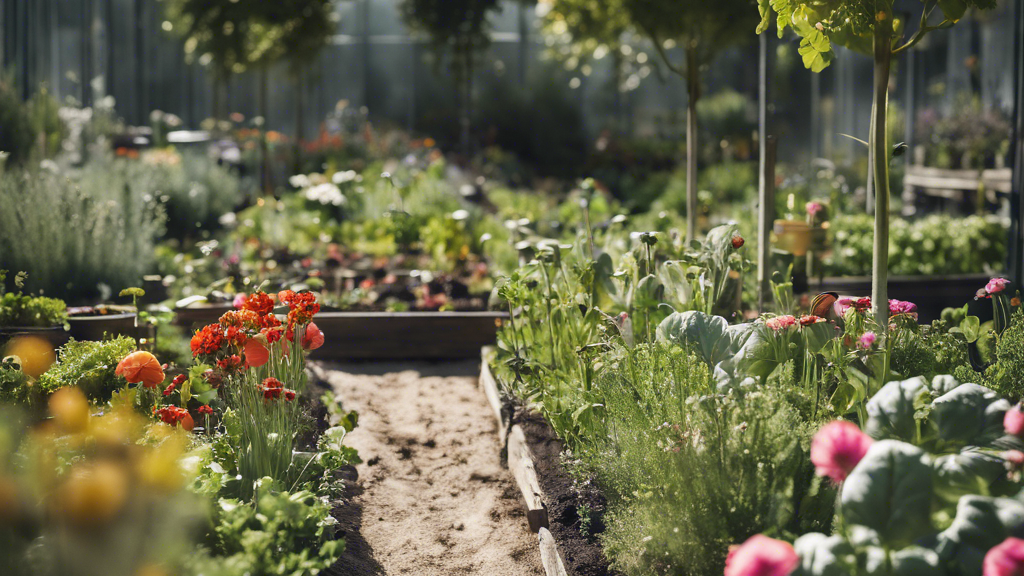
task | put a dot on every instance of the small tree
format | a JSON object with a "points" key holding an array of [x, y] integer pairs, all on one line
{"points": [[870, 27], [587, 29], [459, 27], [702, 28]]}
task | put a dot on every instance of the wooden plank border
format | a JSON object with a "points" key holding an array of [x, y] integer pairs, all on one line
{"points": [[521, 463]]}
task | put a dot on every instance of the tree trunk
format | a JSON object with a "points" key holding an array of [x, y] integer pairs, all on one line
{"points": [[880, 166], [693, 88]]}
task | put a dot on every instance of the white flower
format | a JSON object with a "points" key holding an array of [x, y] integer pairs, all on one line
{"points": [[326, 194], [299, 181], [344, 177]]}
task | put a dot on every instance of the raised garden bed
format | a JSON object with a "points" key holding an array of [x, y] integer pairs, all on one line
{"points": [[932, 294], [553, 501], [84, 324], [406, 335]]}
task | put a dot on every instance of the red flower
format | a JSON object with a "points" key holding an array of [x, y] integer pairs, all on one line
{"points": [[204, 409], [178, 381], [141, 367], [214, 379], [256, 354], [303, 306], [289, 395], [233, 362], [313, 337], [737, 242], [174, 415], [259, 303], [208, 340], [810, 320]]}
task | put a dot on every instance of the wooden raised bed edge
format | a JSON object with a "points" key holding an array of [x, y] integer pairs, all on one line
{"points": [[521, 461]]}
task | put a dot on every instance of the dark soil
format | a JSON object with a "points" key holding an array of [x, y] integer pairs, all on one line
{"points": [[357, 559], [580, 548]]}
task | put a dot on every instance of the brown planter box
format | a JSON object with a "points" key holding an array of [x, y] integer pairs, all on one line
{"points": [[405, 335]]}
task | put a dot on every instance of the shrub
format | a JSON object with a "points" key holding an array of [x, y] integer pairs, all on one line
{"points": [[1007, 375], [922, 246], [76, 237], [15, 126], [88, 365], [689, 472]]}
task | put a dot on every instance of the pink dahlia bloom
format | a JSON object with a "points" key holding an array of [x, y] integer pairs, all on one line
{"points": [[813, 208], [1013, 421], [996, 285], [780, 322], [762, 556], [1006, 559], [867, 340], [897, 307], [837, 448]]}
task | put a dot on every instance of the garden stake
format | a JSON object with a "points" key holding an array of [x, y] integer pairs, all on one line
{"points": [[766, 216]]}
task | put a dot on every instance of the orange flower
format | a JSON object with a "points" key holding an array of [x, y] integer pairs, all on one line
{"points": [[256, 353], [313, 337], [141, 367]]}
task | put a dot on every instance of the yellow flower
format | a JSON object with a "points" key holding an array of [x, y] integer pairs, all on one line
{"points": [[36, 354], [70, 410], [93, 494]]}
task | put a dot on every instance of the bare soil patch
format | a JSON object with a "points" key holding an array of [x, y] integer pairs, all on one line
{"points": [[432, 498]]}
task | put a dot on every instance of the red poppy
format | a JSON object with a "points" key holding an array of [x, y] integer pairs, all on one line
{"points": [[141, 367], [259, 303], [313, 337], [256, 353], [204, 409]]}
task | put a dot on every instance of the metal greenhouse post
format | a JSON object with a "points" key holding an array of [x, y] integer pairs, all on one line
{"points": [[1015, 266]]}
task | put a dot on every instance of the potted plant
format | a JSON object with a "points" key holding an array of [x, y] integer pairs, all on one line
{"points": [[21, 314]]}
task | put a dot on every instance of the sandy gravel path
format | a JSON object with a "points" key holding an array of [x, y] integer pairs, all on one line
{"points": [[434, 499]]}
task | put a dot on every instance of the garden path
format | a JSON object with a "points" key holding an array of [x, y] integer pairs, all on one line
{"points": [[434, 498]]}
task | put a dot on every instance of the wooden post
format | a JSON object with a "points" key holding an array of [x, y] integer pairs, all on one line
{"points": [[765, 221]]}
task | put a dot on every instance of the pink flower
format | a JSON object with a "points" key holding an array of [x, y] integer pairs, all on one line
{"points": [[897, 307], [761, 556], [1014, 459], [813, 208], [837, 448], [239, 301], [996, 285], [312, 338], [780, 322], [1013, 421], [1006, 559], [867, 340]]}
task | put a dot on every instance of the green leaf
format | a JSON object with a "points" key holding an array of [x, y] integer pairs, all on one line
{"points": [[816, 51], [916, 561], [890, 491], [891, 411], [980, 524], [953, 10], [967, 473], [822, 555], [701, 330], [969, 415]]}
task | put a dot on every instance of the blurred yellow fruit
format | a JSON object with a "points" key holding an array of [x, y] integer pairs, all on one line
{"points": [[93, 494], [70, 410], [36, 354]]}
